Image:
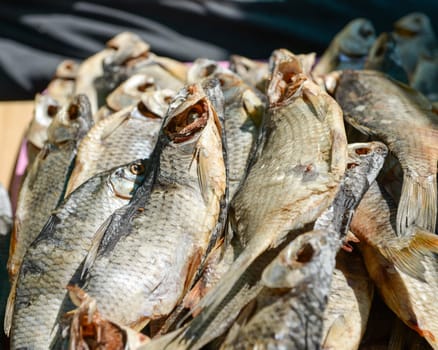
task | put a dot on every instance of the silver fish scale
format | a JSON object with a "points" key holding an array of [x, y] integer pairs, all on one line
{"points": [[241, 134], [145, 273], [40, 194], [52, 260], [287, 133], [296, 319], [134, 139]]}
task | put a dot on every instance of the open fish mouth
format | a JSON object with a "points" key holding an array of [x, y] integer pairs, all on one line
{"points": [[186, 124], [286, 82]]}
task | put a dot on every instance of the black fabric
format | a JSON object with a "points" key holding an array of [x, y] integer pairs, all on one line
{"points": [[36, 36]]}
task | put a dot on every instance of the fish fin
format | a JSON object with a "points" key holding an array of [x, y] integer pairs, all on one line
{"points": [[419, 99], [139, 324], [336, 332], [349, 237], [113, 122], [359, 127], [9, 311], [254, 106], [202, 171], [192, 269], [215, 296], [95, 244], [317, 101], [408, 253], [12, 265], [418, 203]]}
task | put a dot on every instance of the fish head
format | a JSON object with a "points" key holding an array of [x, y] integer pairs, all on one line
{"points": [[200, 69], [127, 47], [356, 39], [72, 121], [297, 263], [365, 160], [287, 77], [130, 91], [188, 115], [192, 129], [154, 104], [413, 25], [45, 110], [124, 181], [67, 69]]}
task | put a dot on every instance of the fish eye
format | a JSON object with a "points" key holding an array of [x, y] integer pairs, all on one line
{"points": [[73, 112], [137, 169], [52, 110]]}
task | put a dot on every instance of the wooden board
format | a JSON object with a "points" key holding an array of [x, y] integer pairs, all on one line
{"points": [[15, 116]]}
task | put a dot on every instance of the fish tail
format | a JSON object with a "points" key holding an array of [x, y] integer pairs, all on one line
{"points": [[418, 203]]}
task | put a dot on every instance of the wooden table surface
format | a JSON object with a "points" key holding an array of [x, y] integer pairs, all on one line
{"points": [[14, 119]]}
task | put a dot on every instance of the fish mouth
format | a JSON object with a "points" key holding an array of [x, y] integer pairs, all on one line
{"points": [[287, 81], [186, 124]]}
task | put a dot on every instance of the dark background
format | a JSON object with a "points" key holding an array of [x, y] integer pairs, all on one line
{"points": [[36, 36]]}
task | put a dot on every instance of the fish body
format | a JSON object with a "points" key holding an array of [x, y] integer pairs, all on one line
{"points": [[349, 303], [284, 161], [403, 119], [44, 185], [415, 37], [348, 49], [297, 283], [243, 114], [289, 317], [384, 56], [121, 137], [153, 254], [404, 269], [54, 259]]}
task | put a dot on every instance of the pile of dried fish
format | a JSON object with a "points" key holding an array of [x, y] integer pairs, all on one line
{"points": [[250, 207]]}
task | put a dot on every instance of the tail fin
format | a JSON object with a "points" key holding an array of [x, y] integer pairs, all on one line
{"points": [[418, 203]]}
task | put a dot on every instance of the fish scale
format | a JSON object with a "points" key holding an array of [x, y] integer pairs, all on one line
{"points": [[144, 274], [408, 286], [290, 202], [118, 139], [44, 185], [101, 285], [54, 258], [406, 123]]}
